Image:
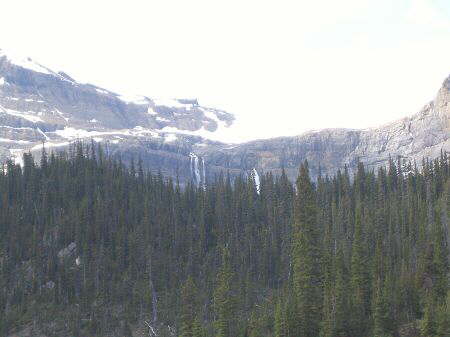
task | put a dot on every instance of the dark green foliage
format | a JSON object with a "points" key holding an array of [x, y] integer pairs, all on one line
{"points": [[189, 299], [223, 299], [280, 328], [89, 247], [306, 257]]}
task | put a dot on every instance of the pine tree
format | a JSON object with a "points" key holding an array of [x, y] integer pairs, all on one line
{"points": [[440, 261], [306, 256], [223, 298], [359, 280], [328, 308], [381, 318], [197, 328], [254, 328], [280, 326], [428, 323], [341, 293], [188, 308], [443, 318], [127, 332]]}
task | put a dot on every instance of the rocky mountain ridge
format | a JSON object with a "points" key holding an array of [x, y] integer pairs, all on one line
{"points": [[38, 104], [179, 137], [423, 135]]}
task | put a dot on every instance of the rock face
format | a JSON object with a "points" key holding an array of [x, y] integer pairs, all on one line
{"points": [[423, 135], [31, 93], [38, 105]]}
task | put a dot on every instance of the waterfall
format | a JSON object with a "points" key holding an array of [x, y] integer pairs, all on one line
{"points": [[256, 180], [204, 173], [195, 171]]}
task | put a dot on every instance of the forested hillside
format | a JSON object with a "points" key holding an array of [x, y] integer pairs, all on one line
{"points": [[89, 247]]}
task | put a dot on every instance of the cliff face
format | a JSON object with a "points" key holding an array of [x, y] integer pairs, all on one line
{"points": [[422, 135], [176, 136]]}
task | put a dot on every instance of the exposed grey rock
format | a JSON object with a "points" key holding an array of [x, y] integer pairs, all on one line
{"points": [[49, 285], [38, 105], [34, 96], [67, 251], [422, 135]]}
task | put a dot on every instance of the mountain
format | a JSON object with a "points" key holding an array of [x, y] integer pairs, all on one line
{"points": [[422, 135], [180, 137], [91, 248], [40, 105]]}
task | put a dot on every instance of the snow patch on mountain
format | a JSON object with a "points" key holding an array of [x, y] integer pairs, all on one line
{"points": [[6, 140], [101, 91], [29, 115], [48, 145], [170, 103], [28, 63], [170, 137], [25, 62], [152, 112], [162, 119], [216, 135], [211, 114], [72, 134], [134, 99]]}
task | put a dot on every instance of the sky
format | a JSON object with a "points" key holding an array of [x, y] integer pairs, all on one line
{"points": [[281, 67]]}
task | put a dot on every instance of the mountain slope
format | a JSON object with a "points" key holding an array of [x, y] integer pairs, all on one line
{"points": [[179, 137], [38, 104]]}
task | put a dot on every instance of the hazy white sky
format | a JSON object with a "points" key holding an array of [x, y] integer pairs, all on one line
{"points": [[282, 67]]}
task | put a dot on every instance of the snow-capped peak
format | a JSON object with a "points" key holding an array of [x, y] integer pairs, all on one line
{"points": [[25, 62], [96, 109]]}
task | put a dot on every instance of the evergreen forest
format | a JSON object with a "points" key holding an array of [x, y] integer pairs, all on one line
{"points": [[92, 247]]}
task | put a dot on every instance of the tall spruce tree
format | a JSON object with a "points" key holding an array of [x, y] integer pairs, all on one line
{"points": [[223, 298], [189, 302], [360, 299], [280, 326], [306, 257]]}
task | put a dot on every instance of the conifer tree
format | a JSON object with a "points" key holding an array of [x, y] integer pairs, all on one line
{"points": [[306, 256], [440, 261], [381, 318], [328, 308], [223, 298], [280, 328], [428, 323], [188, 308], [341, 295], [443, 318], [359, 280], [197, 328]]}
